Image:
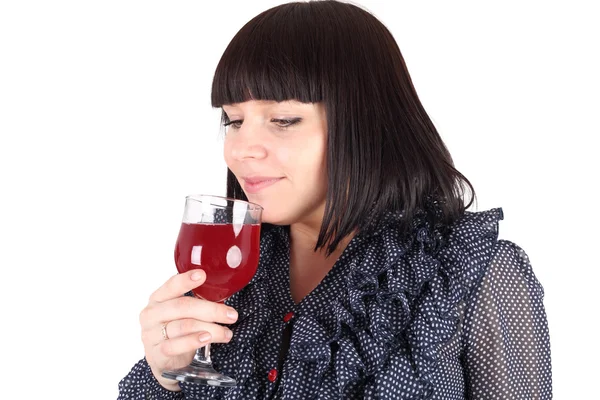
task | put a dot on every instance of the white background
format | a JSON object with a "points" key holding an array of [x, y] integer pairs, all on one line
{"points": [[106, 125]]}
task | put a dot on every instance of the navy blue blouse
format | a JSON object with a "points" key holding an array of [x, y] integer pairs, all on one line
{"points": [[446, 316]]}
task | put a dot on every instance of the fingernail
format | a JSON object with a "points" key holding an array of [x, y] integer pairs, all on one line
{"points": [[196, 276], [232, 314], [205, 337], [228, 334]]}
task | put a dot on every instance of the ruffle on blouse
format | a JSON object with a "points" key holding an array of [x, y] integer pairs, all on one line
{"points": [[388, 302], [401, 303]]}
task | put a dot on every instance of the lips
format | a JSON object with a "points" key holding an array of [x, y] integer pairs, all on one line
{"points": [[257, 183]]}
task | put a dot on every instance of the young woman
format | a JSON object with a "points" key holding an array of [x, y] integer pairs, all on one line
{"points": [[374, 281]]}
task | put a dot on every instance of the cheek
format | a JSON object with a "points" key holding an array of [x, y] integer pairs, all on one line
{"points": [[301, 161], [227, 153], [311, 166], [284, 155], [315, 157]]}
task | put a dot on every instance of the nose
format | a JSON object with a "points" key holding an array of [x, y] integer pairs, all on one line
{"points": [[247, 143]]}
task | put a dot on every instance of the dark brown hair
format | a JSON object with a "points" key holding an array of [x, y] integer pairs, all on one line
{"points": [[383, 152]]}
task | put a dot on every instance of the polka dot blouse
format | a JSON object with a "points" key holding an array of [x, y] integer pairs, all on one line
{"points": [[457, 315]]}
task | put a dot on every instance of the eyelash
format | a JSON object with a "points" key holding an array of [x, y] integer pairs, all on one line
{"points": [[282, 123]]}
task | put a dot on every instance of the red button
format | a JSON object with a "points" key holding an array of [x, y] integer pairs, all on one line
{"points": [[288, 316], [272, 375]]}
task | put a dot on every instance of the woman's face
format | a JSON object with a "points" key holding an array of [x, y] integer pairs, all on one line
{"points": [[277, 151]]}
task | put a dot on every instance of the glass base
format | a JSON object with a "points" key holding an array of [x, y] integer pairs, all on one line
{"points": [[204, 375]]}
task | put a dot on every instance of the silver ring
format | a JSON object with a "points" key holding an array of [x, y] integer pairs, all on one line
{"points": [[163, 330]]}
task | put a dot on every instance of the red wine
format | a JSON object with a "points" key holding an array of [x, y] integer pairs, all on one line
{"points": [[229, 260]]}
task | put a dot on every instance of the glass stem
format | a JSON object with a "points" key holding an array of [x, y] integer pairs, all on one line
{"points": [[202, 356]]}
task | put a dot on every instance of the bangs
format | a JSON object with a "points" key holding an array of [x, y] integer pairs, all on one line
{"points": [[273, 57]]}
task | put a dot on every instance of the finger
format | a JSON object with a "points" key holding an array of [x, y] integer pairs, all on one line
{"points": [[185, 307], [183, 345], [185, 327], [178, 285]]}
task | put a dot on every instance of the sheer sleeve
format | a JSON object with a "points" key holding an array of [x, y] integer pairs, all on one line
{"points": [[506, 340], [140, 384]]}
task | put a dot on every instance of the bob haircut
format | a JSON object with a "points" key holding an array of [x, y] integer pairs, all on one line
{"points": [[383, 152]]}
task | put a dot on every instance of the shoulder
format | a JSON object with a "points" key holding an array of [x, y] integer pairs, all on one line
{"points": [[510, 270], [469, 246], [477, 253], [477, 225]]}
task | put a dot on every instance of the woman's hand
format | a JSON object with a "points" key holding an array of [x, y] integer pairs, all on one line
{"points": [[189, 323]]}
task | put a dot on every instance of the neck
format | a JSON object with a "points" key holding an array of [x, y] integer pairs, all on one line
{"points": [[305, 232], [307, 266], [303, 239]]}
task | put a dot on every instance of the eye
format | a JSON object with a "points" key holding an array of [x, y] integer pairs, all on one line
{"points": [[286, 122], [236, 124]]}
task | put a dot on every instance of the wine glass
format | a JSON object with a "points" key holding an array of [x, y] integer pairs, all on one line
{"points": [[221, 236]]}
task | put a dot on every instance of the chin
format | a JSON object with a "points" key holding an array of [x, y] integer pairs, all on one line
{"points": [[271, 214], [275, 217]]}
